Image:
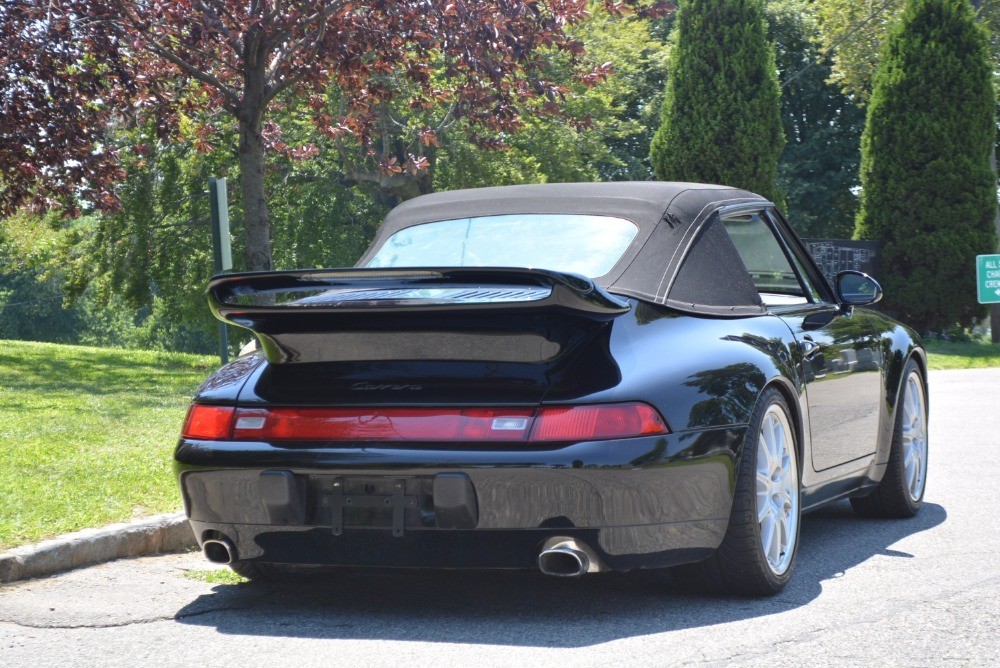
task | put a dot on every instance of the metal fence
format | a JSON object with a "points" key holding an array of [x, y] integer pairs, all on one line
{"points": [[836, 255]]}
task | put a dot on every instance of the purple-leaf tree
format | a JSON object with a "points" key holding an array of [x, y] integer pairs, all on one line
{"points": [[72, 69]]}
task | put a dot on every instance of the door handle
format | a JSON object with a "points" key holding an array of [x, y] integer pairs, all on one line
{"points": [[808, 347]]}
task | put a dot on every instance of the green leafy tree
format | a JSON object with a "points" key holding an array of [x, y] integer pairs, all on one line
{"points": [[633, 93], [928, 191], [818, 170], [139, 273], [853, 32], [721, 119], [604, 127], [71, 67], [30, 295]]}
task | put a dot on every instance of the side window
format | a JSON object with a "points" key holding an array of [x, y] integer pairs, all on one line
{"points": [[765, 259], [813, 292]]}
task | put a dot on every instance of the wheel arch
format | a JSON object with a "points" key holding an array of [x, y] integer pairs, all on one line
{"points": [[904, 347], [919, 355]]}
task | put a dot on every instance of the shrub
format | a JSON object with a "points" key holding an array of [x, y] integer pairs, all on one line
{"points": [[721, 118]]}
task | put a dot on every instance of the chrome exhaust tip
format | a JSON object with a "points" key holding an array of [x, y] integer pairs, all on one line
{"points": [[568, 558], [219, 550]]}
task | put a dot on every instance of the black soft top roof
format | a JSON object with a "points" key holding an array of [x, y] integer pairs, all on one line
{"points": [[681, 256]]}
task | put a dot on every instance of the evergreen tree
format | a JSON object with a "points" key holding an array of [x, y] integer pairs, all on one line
{"points": [[721, 118], [928, 192]]}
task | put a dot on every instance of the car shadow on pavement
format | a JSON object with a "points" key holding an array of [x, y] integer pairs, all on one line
{"points": [[529, 609]]}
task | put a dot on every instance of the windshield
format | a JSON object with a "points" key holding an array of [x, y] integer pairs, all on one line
{"points": [[580, 244]]}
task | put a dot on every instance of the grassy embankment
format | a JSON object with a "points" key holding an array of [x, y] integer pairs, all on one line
{"points": [[962, 355], [87, 435]]}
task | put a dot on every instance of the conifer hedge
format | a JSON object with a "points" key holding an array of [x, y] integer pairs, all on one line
{"points": [[928, 191], [721, 117]]}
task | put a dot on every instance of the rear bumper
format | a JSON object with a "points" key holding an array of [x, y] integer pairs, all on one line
{"points": [[639, 503]]}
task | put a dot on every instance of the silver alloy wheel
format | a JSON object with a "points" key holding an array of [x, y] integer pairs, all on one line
{"points": [[777, 489], [914, 437]]}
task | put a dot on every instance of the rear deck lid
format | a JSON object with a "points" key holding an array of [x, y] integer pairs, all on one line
{"points": [[418, 336]]}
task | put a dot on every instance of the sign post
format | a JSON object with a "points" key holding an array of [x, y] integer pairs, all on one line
{"points": [[988, 278], [221, 247]]}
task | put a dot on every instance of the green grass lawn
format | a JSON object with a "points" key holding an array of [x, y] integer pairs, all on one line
{"points": [[88, 435], [962, 355]]}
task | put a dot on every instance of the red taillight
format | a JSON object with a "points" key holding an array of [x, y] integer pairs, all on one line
{"points": [[384, 424], [208, 422], [445, 425], [596, 423]]}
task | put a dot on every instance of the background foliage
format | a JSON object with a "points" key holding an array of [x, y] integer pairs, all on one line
{"points": [[818, 171], [136, 277], [929, 192]]}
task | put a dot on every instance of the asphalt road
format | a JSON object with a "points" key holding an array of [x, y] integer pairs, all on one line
{"points": [[920, 592]]}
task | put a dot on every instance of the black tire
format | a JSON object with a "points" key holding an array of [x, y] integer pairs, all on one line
{"points": [[893, 498], [740, 565]]}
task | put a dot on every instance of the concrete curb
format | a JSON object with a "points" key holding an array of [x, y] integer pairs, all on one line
{"points": [[161, 533]]}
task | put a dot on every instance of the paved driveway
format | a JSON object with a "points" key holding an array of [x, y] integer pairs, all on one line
{"points": [[916, 592]]}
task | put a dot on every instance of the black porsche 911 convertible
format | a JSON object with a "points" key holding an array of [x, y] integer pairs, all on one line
{"points": [[574, 378]]}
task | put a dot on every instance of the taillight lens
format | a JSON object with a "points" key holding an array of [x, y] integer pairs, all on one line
{"points": [[443, 425], [596, 423], [208, 422], [384, 424]]}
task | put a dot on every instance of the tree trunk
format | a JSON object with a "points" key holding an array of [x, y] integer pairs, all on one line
{"points": [[255, 215], [251, 156]]}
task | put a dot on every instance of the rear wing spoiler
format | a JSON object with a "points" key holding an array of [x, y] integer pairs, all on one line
{"points": [[317, 300]]}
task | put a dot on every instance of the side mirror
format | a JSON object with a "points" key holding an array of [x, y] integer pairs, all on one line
{"points": [[855, 288]]}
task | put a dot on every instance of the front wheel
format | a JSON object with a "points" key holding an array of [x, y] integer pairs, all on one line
{"points": [[901, 491], [758, 551]]}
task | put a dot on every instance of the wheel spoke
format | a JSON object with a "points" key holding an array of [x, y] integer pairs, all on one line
{"points": [[763, 482], [769, 441], [786, 466], [778, 442], [763, 466], [776, 545], [767, 531], [782, 537], [763, 508]]}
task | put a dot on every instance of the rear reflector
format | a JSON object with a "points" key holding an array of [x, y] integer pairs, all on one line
{"points": [[208, 422], [429, 425]]}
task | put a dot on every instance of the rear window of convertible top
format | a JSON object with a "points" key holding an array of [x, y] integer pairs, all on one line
{"points": [[572, 243]]}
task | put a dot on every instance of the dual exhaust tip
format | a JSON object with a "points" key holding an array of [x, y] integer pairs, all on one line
{"points": [[568, 558], [559, 556]]}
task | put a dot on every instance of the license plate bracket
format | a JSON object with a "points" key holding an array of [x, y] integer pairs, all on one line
{"points": [[396, 500]]}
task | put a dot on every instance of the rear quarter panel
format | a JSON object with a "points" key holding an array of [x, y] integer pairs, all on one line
{"points": [[699, 372]]}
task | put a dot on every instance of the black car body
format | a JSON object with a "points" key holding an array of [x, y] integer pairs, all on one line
{"points": [[507, 417]]}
